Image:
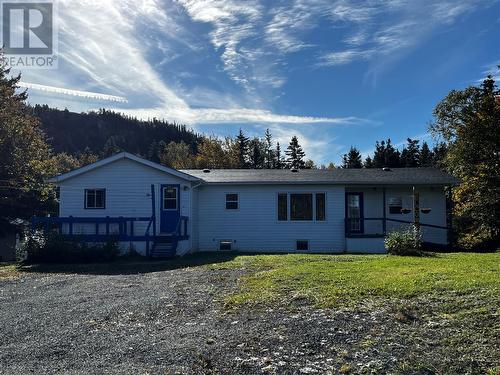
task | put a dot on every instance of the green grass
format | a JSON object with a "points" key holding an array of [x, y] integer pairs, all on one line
{"points": [[333, 280], [8, 270]]}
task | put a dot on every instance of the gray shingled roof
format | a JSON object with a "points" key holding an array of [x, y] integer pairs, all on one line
{"points": [[396, 176]]}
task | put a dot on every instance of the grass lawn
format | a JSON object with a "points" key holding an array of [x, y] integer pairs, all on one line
{"points": [[333, 280], [8, 270]]}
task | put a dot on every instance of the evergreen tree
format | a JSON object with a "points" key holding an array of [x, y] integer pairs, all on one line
{"points": [[426, 156], [392, 156], [438, 155], [25, 157], [352, 159], [309, 164], [242, 144], [468, 121], [257, 154], [386, 155], [368, 163], [279, 162], [410, 157], [295, 154], [268, 150], [379, 155]]}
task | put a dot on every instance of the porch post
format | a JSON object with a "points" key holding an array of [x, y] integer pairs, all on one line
{"points": [[153, 208], [384, 221], [416, 208]]}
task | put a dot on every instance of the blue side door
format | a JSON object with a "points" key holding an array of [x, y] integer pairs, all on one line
{"points": [[170, 208]]}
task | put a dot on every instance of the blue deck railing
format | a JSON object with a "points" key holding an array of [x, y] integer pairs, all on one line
{"points": [[126, 228]]}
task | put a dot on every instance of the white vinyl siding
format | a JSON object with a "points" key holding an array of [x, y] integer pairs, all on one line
{"points": [[255, 225], [128, 194]]}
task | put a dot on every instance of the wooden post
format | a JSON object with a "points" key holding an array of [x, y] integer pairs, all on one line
{"points": [[71, 225], [107, 225]]}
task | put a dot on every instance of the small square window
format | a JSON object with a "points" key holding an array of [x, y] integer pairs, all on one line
{"points": [[95, 198], [225, 245], [302, 245], [231, 201]]}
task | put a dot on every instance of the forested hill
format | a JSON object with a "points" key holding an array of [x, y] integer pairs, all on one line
{"points": [[106, 132]]}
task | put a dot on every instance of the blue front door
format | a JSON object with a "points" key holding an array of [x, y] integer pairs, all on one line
{"points": [[170, 208]]}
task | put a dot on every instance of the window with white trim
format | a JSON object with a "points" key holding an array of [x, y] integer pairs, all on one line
{"points": [[301, 206], [232, 201], [95, 199], [170, 198], [395, 205]]}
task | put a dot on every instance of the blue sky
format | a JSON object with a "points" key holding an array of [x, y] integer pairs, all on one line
{"points": [[334, 73]]}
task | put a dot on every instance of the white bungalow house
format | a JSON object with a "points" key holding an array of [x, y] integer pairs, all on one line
{"points": [[162, 211]]}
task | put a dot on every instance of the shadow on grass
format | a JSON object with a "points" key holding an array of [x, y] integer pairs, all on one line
{"points": [[130, 266]]}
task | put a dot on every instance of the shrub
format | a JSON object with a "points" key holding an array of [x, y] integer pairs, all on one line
{"points": [[404, 242], [38, 247]]}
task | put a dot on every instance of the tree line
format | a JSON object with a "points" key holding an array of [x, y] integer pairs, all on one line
{"points": [[239, 152], [386, 155]]}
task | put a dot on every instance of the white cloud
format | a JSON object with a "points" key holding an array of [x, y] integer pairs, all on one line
{"points": [[101, 52], [82, 94], [344, 57], [389, 29]]}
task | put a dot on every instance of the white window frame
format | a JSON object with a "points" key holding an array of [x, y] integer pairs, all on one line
{"points": [[389, 205], [86, 205], [289, 208], [165, 199], [237, 201]]}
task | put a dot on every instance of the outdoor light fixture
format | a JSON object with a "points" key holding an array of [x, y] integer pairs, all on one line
{"points": [[405, 210], [425, 210]]}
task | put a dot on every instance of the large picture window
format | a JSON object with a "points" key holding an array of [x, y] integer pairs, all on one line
{"points": [[95, 198], [301, 206]]}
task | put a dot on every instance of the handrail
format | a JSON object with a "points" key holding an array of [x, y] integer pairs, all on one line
{"points": [[397, 221]]}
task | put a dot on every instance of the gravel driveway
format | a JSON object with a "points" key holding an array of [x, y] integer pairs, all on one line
{"points": [[173, 322]]}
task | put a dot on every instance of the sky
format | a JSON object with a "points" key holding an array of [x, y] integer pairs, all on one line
{"points": [[336, 73]]}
